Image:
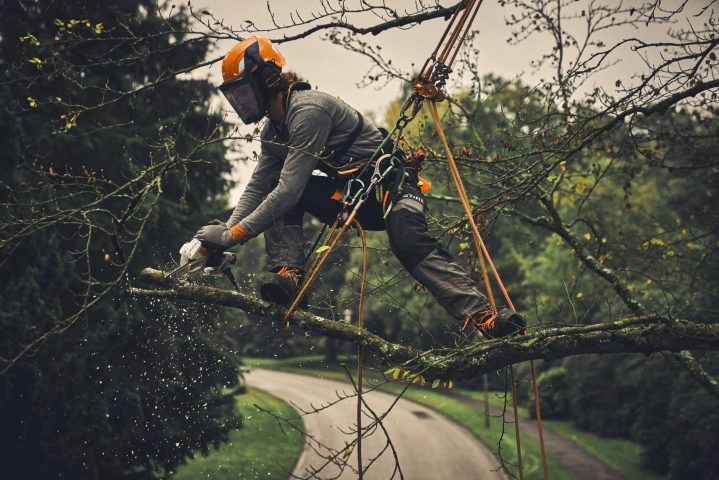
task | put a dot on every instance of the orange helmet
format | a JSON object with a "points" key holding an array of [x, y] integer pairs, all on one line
{"points": [[250, 70], [233, 65]]}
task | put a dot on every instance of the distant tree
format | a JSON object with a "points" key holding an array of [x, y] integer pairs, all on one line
{"points": [[93, 385]]}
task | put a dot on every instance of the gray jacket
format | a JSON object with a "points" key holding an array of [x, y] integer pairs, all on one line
{"points": [[315, 125]]}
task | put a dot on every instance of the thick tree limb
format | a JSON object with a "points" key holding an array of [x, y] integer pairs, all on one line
{"points": [[686, 359], [645, 334]]}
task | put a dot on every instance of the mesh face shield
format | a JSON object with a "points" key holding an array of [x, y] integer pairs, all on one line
{"points": [[245, 97]]}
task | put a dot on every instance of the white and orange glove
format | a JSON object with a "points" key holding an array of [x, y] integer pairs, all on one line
{"points": [[221, 237]]}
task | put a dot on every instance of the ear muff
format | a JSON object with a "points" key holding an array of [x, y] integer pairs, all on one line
{"points": [[270, 74], [271, 77]]}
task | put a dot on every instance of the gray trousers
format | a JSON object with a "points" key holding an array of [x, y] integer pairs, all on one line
{"points": [[406, 225]]}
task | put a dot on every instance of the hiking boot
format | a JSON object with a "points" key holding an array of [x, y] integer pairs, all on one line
{"points": [[281, 286], [497, 324]]}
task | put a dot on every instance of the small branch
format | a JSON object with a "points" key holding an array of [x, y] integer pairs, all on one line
{"points": [[697, 371]]}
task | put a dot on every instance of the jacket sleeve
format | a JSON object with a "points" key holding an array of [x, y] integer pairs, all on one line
{"points": [[258, 187], [309, 127]]}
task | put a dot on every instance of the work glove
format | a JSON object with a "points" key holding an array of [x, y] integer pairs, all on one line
{"points": [[216, 237]]}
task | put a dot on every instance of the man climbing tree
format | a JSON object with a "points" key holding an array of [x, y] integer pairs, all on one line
{"points": [[309, 129]]}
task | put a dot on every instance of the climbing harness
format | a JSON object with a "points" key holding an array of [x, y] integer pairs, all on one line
{"points": [[428, 88]]}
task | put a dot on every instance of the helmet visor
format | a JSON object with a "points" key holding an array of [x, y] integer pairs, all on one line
{"points": [[244, 99]]}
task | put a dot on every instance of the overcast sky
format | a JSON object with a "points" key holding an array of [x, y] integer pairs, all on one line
{"points": [[334, 70]]}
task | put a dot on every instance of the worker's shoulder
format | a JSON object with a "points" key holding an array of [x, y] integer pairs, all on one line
{"points": [[266, 131], [315, 100]]}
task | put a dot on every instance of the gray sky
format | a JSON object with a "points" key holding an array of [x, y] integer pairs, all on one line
{"points": [[334, 70], [337, 71]]}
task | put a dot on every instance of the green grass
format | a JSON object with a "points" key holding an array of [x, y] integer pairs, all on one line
{"points": [[622, 455], [260, 449], [466, 415]]}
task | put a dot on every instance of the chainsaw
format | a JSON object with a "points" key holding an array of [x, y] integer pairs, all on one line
{"points": [[196, 261]]}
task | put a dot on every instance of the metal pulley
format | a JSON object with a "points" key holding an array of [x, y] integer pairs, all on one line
{"points": [[429, 91]]}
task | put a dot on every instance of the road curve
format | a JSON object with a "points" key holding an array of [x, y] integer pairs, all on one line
{"points": [[429, 445]]}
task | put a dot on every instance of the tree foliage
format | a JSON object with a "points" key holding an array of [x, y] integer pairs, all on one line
{"points": [[96, 386], [597, 203]]}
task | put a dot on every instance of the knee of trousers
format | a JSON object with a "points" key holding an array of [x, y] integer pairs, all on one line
{"points": [[284, 245], [408, 237]]}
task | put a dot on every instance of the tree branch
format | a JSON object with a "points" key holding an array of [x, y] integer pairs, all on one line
{"points": [[645, 334], [697, 371]]}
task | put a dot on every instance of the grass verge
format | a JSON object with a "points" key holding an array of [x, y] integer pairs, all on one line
{"points": [[623, 456], [260, 449]]}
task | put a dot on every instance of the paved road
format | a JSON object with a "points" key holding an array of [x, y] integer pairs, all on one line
{"points": [[429, 446]]}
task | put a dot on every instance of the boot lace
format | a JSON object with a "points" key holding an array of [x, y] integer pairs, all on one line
{"points": [[293, 273], [482, 320]]}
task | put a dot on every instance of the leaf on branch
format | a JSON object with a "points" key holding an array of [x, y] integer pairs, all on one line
{"points": [[37, 62], [323, 248], [31, 38]]}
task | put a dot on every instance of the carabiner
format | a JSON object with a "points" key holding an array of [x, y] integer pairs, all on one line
{"points": [[378, 174], [349, 198]]}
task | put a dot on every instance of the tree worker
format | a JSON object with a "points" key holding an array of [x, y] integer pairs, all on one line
{"points": [[308, 130]]}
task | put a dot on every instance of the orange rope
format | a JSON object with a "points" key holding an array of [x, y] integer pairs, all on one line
{"points": [[483, 254], [360, 353], [317, 266], [453, 45], [516, 421], [455, 33], [464, 35], [463, 200], [433, 56]]}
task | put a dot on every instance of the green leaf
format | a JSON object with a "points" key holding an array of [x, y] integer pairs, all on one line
{"points": [[323, 248], [37, 62], [436, 382], [390, 372]]}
